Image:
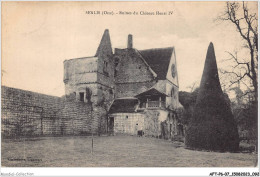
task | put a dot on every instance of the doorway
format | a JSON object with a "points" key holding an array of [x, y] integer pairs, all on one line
{"points": [[111, 125]]}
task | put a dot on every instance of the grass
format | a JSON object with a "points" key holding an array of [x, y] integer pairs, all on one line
{"points": [[114, 151]]}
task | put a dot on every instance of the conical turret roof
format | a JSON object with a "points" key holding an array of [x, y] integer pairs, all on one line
{"points": [[105, 46]]}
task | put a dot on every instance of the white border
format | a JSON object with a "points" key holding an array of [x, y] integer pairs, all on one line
{"points": [[122, 171]]}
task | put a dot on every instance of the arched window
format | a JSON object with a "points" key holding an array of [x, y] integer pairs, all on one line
{"points": [[173, 70]]}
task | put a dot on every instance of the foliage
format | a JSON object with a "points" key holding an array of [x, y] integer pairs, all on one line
{"points": [[243, 70], [246, 117], [188, 101], [212, 125]]}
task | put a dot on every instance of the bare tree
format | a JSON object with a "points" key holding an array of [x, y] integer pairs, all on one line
{"points": [[193, 86], [245, 20]]}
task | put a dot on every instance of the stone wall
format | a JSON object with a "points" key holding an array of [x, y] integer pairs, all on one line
{"points": [[172, 90], [79, 71], [161, 123], [131, 67], [26, 113], [94, 73], [75, 118], [154, 123], [133, 75], [128, 123], [105, 70], [99, 120], [105, 76]]}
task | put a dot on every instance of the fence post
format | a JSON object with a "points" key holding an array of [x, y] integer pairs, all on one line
{"points": [[92, 142]]}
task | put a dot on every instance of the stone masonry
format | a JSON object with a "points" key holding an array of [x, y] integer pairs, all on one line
{"points": [[91, 86]]}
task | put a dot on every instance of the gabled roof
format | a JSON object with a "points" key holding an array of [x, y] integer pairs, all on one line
{"points": [[160, 86], [157, 89], [159, 60], [151, 91], [124, 105]]}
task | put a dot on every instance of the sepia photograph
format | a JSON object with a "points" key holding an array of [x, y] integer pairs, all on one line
{"points": [[130, 84]]}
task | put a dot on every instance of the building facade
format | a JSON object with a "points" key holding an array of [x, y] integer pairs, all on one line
{"points": [[127, 91], [91, 79], [144, 81]]}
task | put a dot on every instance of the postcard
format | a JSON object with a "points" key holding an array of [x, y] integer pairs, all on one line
{"points": [[129, 84]]}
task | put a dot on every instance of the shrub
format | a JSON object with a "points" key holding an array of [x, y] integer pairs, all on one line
{"points": [[212, 125]]}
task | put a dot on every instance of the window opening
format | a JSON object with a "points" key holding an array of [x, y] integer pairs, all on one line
{"points": [[81, 96]]}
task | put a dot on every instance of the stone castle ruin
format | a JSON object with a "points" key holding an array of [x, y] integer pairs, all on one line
{"points": [[127, 91]]}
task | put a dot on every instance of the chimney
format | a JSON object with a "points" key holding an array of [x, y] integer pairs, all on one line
{"points": [[130, 41]]}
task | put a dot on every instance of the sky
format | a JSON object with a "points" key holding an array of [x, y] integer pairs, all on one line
{"points": [[38, 36]]}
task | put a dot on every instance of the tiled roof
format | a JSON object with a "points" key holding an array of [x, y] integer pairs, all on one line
{"points": [[151, 91], [158, 60], [123, 105], [160, 86]]}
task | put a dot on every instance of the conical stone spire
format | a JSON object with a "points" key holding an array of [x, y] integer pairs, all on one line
{"points": [[212, 126], [105, 47]]}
